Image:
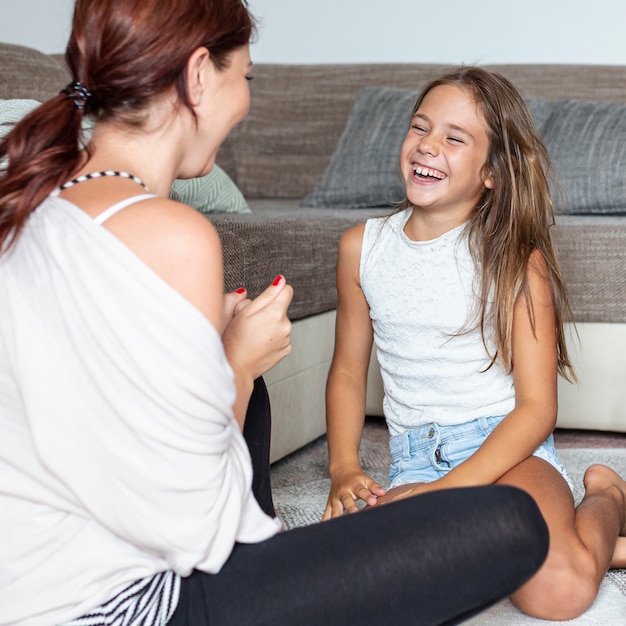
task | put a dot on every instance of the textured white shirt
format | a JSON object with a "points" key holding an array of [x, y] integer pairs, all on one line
{"points": [[420, 294], [119, 453]]}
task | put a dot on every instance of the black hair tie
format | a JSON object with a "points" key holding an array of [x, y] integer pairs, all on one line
{"points": [[77, 92]]}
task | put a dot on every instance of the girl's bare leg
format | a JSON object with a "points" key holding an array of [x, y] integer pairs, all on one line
{"points": [[583, 540], [619, 554]]}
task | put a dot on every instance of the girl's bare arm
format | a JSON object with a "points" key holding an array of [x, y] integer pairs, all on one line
{"points": [[347, 379]]}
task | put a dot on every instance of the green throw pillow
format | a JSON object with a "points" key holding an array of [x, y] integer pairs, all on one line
{"points": [[12, 111], [213, 193]]}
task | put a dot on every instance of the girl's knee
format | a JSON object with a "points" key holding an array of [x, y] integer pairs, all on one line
{"points": [[563, 589]]}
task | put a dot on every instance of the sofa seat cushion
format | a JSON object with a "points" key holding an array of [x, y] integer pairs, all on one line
{"points": [[278, 237], [592, 254]]}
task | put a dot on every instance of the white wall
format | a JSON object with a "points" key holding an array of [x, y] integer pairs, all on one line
{"points": [[336, 31], [40, 24]]}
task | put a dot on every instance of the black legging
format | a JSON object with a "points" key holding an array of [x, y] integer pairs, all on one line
{"points": [[434, 559]]}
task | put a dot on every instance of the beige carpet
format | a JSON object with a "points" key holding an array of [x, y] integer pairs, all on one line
{"points": [[300, 484]]}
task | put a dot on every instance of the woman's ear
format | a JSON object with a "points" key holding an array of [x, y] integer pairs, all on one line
{"points": [[196, 74]]}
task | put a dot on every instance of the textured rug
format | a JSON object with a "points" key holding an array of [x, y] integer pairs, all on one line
{"points": [[300, 484]]}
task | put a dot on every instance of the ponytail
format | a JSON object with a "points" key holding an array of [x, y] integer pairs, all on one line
{"points": [[40, 152]]}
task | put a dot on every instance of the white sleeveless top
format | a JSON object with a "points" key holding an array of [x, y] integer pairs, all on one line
{"points": [[420, 294]]}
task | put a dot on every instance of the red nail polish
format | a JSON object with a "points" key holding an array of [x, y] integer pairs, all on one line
{"points": [[277, 280], [240, 290]]}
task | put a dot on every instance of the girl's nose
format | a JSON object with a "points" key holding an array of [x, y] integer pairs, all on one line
{"points": [[428, 145]]}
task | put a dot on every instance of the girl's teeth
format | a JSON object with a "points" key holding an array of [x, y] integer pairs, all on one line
{"points": [[425, 171]]}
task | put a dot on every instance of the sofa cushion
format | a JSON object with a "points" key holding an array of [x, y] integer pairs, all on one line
{"points": [[364, 170], [587, 142], [12, 111], [28, 73], [261, 244], [592, 254], [213, 193], [278, 237]]}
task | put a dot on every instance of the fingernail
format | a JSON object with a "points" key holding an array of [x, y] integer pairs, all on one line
{"points": [[277, 280], [240, 290]]}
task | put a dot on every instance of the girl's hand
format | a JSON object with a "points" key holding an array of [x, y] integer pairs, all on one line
{"points": [[347, 488]]}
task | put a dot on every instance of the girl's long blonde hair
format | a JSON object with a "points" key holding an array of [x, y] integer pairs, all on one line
{"points": [[513, 219]]}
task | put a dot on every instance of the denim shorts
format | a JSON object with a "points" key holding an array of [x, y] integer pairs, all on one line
{"points": [[429, 452]]}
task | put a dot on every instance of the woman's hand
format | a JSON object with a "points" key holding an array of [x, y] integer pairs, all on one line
{"points": [[233, 302], [347, 487], [256, 336]]}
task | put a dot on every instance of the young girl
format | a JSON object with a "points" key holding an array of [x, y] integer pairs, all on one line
{"points": [[461, 291]]}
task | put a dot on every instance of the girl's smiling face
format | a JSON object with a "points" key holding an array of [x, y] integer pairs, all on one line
{"points": [[444, 153]]}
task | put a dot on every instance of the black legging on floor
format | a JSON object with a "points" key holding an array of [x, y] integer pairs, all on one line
{"points": [[434, 559]]}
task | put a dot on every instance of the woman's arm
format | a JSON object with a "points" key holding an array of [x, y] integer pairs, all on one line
{"points": [[535, 378], [347, 379], [185, 250], [257, 337]]}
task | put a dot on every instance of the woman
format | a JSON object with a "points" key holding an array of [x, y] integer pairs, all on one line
{"points": [[126, 375]]}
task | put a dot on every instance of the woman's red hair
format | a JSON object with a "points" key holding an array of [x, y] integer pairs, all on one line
{"points": [[126, 52]]}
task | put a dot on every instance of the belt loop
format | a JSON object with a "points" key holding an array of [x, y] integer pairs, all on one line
{"points": [[406, 445], [483, 425]]}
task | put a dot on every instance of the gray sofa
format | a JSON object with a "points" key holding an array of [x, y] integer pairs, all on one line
{"points": [[280, 153]]}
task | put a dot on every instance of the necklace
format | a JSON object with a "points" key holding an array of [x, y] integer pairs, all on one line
{"points": [[84, 177]]}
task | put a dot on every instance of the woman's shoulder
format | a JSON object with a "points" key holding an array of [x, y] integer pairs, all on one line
{"points": [[170, 217], [160, 227], [179, 244]]}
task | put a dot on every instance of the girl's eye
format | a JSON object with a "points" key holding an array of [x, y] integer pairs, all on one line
{"points": [[455, 140], [249, 77], [419, 129]]}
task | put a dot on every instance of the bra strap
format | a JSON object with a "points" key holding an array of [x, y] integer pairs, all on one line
{"points": [[122, 204], [84, 177]]}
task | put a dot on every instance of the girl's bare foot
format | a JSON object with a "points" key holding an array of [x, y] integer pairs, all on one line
{"points": [[600, 478]]}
